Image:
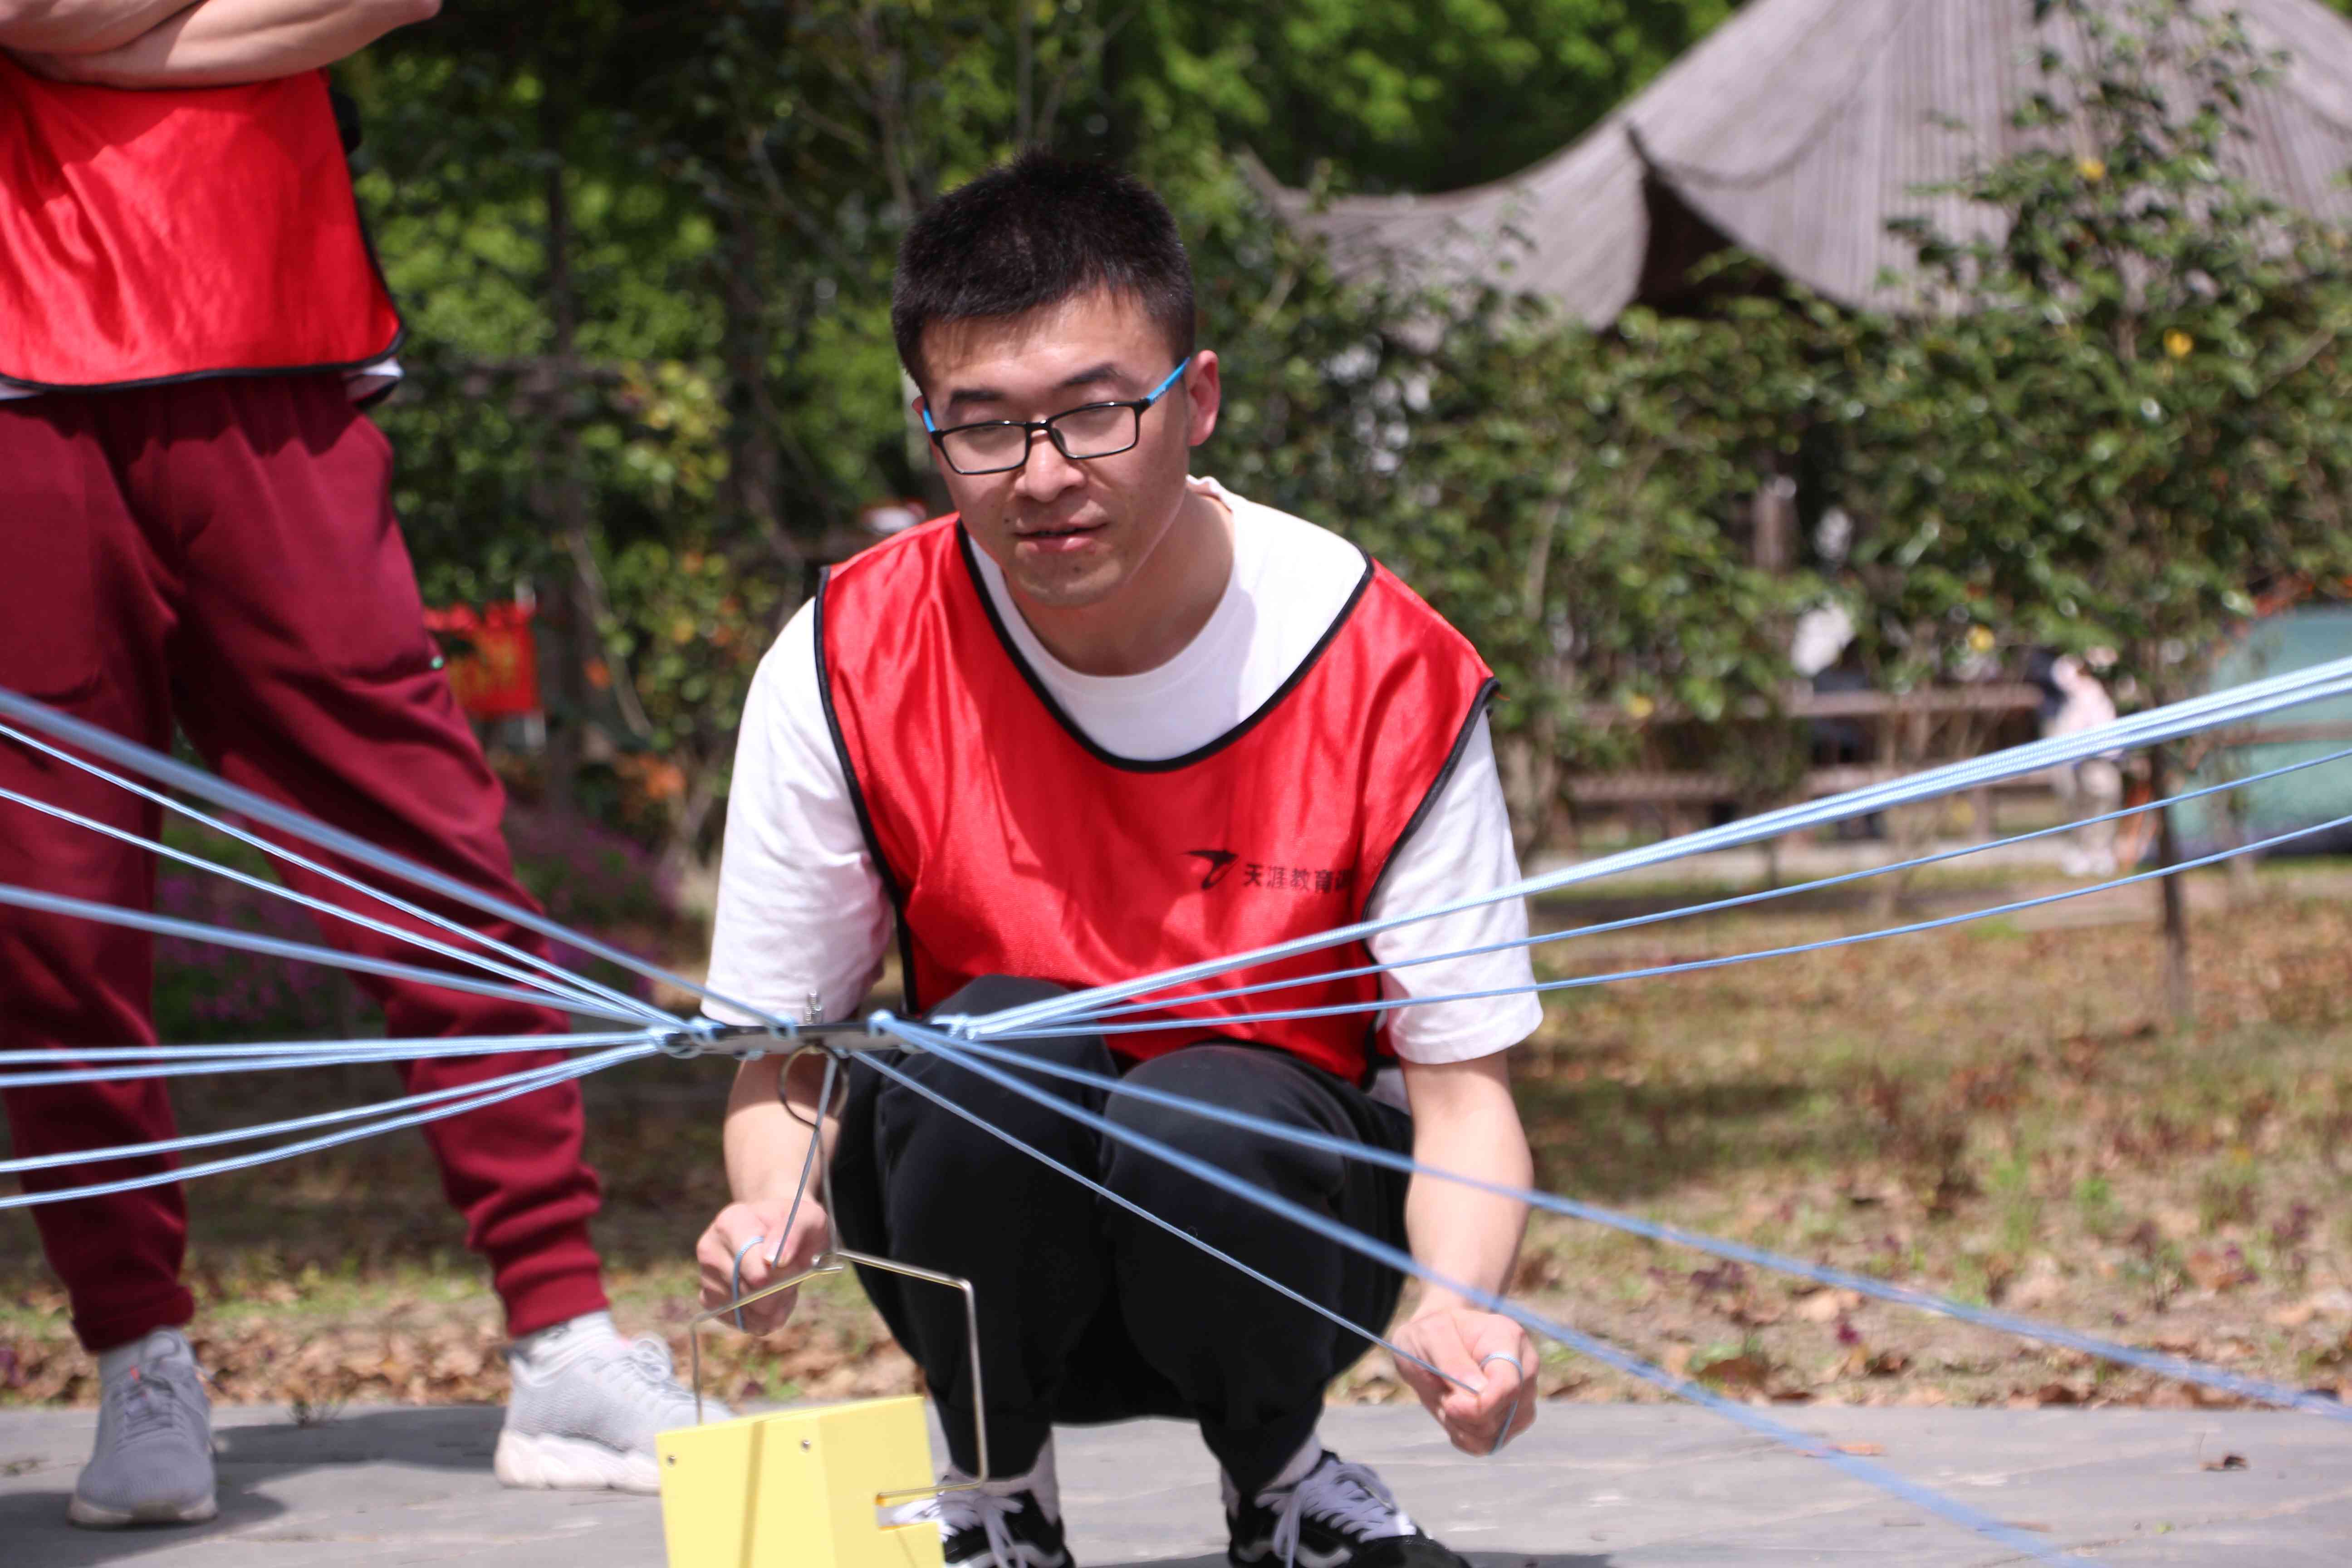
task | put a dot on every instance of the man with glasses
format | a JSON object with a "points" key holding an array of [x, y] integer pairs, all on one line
{"points": [[1109, 717]]}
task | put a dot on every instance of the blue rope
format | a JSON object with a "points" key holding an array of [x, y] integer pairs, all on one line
{"points": [[275, 947], [990, 1027], [534, 1078], [1393, 1258], [2180, 719], [597, 1063], [738, 1291], [2213, 1377], [262, 1050], [341, 878], [1717, 906], [260, 809], [1139, 1212], [565, 994], [328, 1054], [556, 989]]}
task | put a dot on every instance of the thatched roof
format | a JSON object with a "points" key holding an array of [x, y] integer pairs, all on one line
{"points": [[1796, 130]]}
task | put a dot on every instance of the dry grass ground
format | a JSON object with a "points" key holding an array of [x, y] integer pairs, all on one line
{"points": [[1997, 1112]]}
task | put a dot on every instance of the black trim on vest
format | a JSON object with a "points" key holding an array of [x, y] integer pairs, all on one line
{"points": [[367, 246], [1374, 1055], [348, 368], [912, 1004], [1199, 753]]}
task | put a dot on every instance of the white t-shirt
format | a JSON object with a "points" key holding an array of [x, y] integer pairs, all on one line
{"points": [[803, 912]]}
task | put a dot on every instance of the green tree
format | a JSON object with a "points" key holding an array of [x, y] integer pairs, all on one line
{"points": [[1393, 95], [2125, 415]]}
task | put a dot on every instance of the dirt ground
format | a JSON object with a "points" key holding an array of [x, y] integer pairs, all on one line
{"points": [[2000, 1112]]}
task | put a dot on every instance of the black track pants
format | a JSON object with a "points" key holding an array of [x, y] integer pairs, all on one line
{"points": [[1087, 1313]]}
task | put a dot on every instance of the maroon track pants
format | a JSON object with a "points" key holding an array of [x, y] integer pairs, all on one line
{"points": [[223, 553]]}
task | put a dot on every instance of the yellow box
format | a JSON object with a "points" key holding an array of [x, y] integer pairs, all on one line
{"points": [[796, 1490]]}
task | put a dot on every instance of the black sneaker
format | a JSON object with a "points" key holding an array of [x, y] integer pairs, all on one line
{"points": [[1339, 1516], [1013, 1523]]}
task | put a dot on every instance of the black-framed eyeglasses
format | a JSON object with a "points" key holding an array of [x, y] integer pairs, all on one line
{"points": [[1081, 434]]}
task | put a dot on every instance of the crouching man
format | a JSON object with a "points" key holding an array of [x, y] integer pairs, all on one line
{"points": [[1109, 717]]}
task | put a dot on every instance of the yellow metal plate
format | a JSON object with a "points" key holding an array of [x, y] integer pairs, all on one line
{"points": [[796, 1490]]}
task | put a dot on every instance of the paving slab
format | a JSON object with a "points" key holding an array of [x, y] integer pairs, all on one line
{"points": [[1590, 1487]]}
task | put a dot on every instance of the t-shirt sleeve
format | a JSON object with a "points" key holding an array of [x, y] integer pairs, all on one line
{"points": [[1463, 847], [802, 910]]}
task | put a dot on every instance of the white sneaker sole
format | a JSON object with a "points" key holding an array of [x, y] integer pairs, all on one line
{"points": [[90, 1516], [545, 1462]]}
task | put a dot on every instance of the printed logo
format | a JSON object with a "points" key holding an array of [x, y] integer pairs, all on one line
{"points": [[1272, 878], [1220, 862]]}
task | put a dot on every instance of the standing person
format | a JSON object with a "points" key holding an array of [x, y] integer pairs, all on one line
{"points": [[2073, 700], [197, 527], [1113, 717]]}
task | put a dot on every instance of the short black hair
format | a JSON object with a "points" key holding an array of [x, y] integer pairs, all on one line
{"points": [[1038, 231]]}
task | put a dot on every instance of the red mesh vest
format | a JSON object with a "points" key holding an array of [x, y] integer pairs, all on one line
{"points": [[1012, 844], [146, 237]]}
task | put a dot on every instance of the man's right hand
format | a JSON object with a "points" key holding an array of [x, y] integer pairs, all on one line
{"points": [[753, 1231]]}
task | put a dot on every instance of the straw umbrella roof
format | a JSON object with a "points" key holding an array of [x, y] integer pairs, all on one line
{"points": [[1795, 131]]}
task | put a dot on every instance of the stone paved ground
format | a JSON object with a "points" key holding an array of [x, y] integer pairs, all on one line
{"points": [[1591, 1486]]}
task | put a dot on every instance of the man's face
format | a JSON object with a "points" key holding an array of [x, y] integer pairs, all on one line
{"points": [[1067, 534]]}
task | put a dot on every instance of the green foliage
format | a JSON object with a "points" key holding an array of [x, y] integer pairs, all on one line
{"points": [[2129, 417], [1412, 95], [646, 257]]}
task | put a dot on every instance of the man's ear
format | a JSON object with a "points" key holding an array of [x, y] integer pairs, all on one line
{"points": [[1204, 392]]}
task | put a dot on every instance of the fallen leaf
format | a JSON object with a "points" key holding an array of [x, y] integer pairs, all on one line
{"points": [[1743, 1372], [1885, 1364], [2219, 1270], [2226, 1462], [1828, 1306], [1863, 1450]]}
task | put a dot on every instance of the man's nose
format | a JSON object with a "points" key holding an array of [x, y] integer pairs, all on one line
{"points": [[1047, 473]]}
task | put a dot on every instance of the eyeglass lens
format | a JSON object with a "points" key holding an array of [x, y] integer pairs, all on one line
{"points": [[1081, 433]]}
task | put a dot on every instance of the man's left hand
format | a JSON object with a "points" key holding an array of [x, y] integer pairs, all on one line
{"points": [[1488, 1352]]}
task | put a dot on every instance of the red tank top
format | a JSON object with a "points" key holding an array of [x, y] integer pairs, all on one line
{"points": [[1011, 844], [146, 237]]}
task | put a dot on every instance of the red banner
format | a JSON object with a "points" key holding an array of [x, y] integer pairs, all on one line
{"points": [[493, 664]]}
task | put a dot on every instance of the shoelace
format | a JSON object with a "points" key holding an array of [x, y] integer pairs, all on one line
{"points": [[146, 1405], [959, 1512], [1348, 1495], [648, 1359]]}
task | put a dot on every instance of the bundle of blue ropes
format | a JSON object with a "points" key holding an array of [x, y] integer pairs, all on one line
{"points": [[635, 1030]]}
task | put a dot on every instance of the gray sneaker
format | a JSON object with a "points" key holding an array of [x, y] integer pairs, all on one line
{"points": [[153, 1461], [585, 1408]]}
